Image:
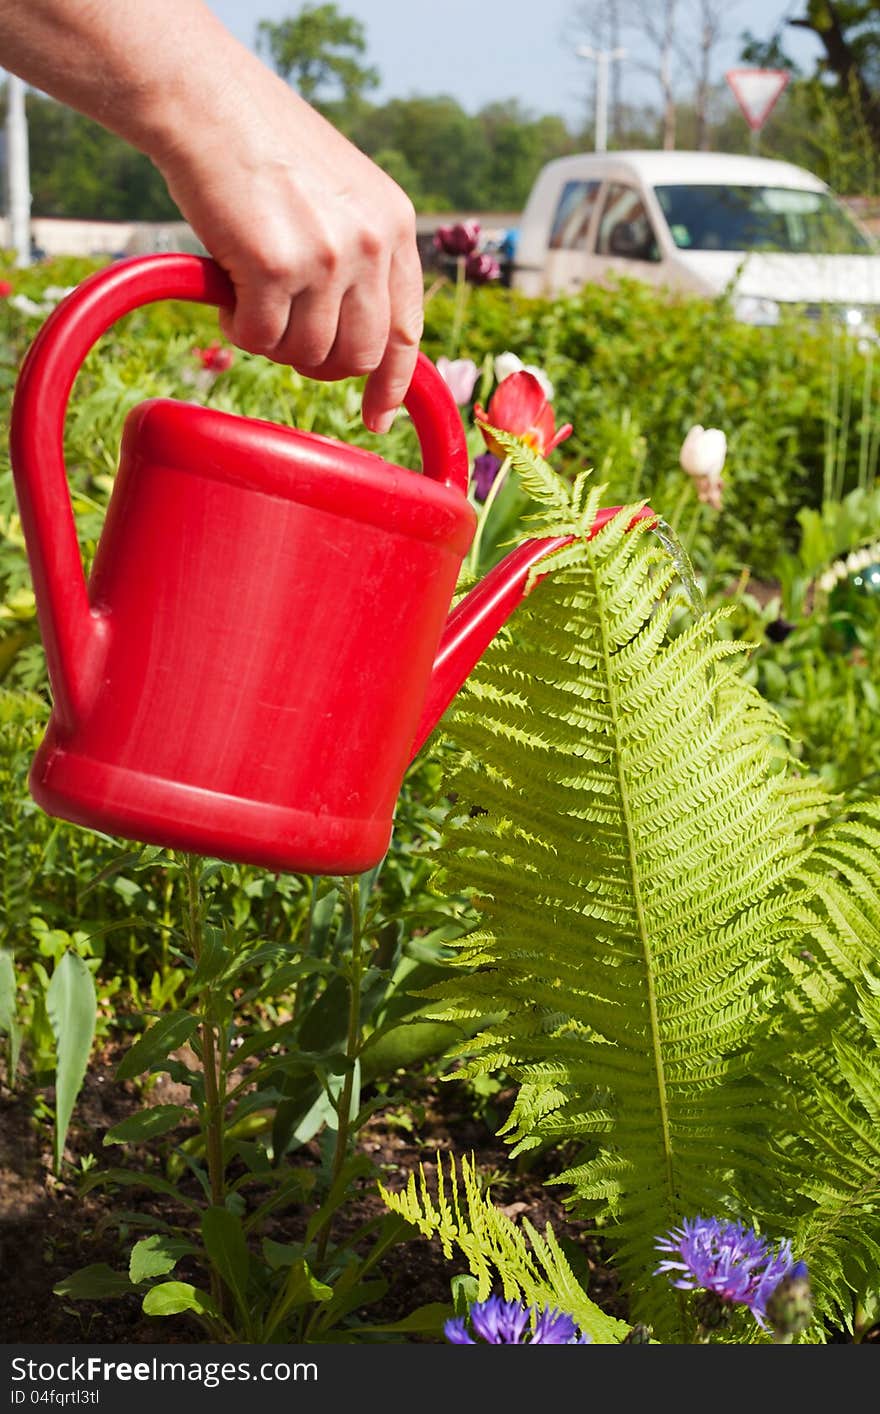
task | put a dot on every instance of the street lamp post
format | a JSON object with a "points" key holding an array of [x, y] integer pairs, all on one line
{"points": [[18, 185], [602, 58]]}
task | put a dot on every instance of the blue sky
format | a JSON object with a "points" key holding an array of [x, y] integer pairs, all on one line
{"points": [[481, 50]]}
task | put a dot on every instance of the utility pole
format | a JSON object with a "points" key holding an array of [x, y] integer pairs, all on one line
{"points": [[18, 180], [602, 58]]}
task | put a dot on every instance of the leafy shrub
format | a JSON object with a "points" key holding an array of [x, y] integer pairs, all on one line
{"points": [[634, 368]]}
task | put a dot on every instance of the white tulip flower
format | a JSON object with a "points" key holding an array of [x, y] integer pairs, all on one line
{"points": [[507, 363], [703, 452]]}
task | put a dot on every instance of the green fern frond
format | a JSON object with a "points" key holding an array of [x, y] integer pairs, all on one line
{"points": [[537, 478], [839, 1236], [526, 1265], [643, 858]]}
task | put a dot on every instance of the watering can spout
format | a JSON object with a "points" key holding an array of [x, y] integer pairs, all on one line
{"points": [[475, 621]]}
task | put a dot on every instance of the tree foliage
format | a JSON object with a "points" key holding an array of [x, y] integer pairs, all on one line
{"points": [[452, 160], [318, 50], [79, 169], [830, 119], [446, 158]]}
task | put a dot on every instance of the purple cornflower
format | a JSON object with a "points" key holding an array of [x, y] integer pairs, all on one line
{"points": [[486, 468], [497, 1322], [729, 1260]]}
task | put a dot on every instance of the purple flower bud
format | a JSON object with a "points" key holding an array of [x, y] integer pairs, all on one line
{"points": [[486, 468], [481, 268], [460, 239]]}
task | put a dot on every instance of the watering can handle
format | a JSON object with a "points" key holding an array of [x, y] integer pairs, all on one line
{"points": [[73, 633]]}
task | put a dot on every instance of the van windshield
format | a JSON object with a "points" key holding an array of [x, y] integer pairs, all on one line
{"points": [[759, 218]]}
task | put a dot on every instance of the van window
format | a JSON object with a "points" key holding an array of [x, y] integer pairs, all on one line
{"points": [[572, 219], [624, 226], [758, 218]]}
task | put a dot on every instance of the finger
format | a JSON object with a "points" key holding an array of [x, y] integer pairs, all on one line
{"points": [[362, 334], [259, 320], [387, 385], [312, 328]]}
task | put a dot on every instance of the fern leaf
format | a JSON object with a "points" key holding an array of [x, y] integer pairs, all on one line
{"points": [[527, 1265], [639, 864]]}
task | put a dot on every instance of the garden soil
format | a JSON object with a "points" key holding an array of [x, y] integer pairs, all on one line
{"points": [[49, 1228]]}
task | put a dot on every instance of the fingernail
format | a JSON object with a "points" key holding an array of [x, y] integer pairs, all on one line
{"points": [[383, 422]]}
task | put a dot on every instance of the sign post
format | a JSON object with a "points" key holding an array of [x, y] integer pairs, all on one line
{"points": [[756, 92]]}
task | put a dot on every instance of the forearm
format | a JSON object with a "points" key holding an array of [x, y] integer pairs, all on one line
{"points": [[319, 243], [149, 70]]}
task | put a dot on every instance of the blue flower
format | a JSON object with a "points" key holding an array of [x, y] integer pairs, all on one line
{"points": [[729, 1260], [497, 1322]]}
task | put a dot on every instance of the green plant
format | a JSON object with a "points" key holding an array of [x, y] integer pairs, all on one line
{"points": [[634, 368], [673, 919], [338, 1006], [524, 1263], [817, 654]]}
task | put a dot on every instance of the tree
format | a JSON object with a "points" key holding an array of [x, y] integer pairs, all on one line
{"points": [[850, 35], [710, 17], [318, 51], [519, 144], [835, 113], [655, 52], [79, 169], [445, 147], [849, 31]]}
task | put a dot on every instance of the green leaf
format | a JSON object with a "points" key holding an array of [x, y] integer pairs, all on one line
{"points": [[156, 1045], [94, 1283], [71, 1005], [223, 1237], [303, 1287], [146, 1124], [300, 1289], [7, 991], [157, 1254], [129, 1178], [8, 1022], [123, 861], [465, 1291], [408, 1044], [280, 1254], [216, 955], [172, 1297]]}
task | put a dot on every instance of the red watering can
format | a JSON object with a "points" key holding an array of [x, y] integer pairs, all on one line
{"points": [[263, 643]]}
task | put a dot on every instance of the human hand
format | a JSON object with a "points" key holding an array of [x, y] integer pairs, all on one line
{"points": [[318, 241]]}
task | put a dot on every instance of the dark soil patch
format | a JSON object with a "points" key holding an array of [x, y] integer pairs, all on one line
{"points": [[50, 1227]]}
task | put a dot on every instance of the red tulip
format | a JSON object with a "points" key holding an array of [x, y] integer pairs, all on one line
{"points": [[519, 405], [216, 357], [5, 289]]}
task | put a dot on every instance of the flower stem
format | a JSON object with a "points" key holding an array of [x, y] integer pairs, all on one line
{"points": [[351, 887], [473, 560], [684, 496], [212, 1115], [458, 308]]}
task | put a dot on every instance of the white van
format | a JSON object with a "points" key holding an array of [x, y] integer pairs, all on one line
{"points": [[768, 231]]}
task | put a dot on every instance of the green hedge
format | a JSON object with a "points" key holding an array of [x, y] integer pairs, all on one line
{"points": [[634, 368]]}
